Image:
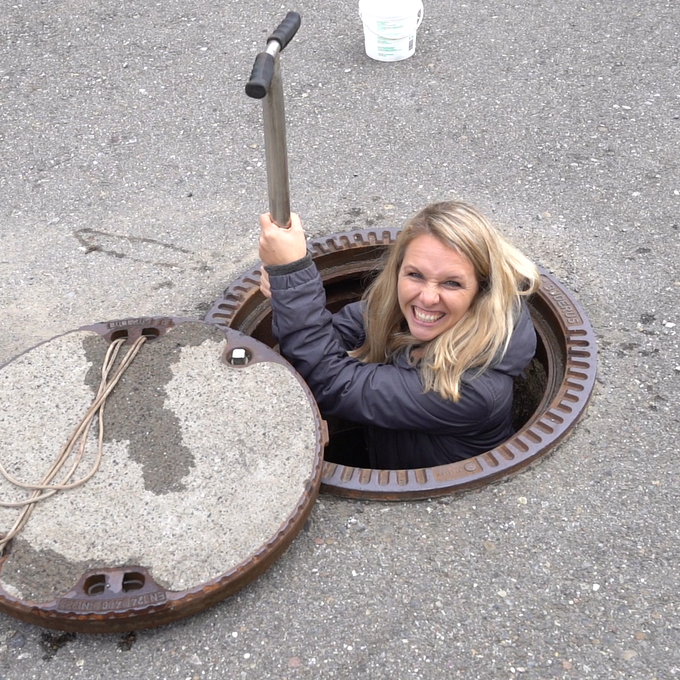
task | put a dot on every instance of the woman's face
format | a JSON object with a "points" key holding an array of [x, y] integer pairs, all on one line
{"points": [[436, 286]]}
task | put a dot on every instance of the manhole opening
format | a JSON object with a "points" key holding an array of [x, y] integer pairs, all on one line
{"points": [[347, 284], [548, 400], [119, 335], [95, 584], [133, 581], [151, 333], [346, 445]]}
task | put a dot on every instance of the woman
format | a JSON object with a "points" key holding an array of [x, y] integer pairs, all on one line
{"points": [[426, 360]]}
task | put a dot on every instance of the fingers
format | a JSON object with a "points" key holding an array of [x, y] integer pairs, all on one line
{"points": [[295, 222], [281, 246], [267, 223], [265, 288]]}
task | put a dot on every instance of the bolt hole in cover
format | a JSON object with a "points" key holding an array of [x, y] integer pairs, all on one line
{"points": [[202, 483], [548, 401]]}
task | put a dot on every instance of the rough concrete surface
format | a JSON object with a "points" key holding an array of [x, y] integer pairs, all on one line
{"points": [[131, 176], [187, 525]]}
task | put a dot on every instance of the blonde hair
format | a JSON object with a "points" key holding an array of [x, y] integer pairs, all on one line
{"points": [[482, 335]]}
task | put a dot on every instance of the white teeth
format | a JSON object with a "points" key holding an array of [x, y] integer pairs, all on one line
{"points": [[426, 318]]}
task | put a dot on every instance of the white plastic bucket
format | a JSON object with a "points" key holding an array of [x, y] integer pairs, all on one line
{"points": [[390, 27]]}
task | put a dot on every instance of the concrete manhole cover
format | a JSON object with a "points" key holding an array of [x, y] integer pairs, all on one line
{"points": [[212, 458]]}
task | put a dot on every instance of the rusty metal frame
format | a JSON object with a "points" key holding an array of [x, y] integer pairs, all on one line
{"points": [[569, 356]]}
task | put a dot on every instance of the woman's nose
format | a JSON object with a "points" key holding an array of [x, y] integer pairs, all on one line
{"points": [[430, 294]]}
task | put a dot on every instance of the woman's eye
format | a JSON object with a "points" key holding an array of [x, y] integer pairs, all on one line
{"points": [[452, 284], [415, 275]]}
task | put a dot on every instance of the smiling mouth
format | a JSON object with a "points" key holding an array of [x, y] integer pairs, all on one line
{"points": [[426, 317]]}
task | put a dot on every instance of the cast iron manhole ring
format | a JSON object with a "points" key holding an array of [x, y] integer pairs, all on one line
{"points": [[566, 365]]}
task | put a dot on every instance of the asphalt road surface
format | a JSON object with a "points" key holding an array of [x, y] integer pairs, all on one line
{"points": [[131, 177]]}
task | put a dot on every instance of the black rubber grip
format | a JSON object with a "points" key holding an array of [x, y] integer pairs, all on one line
{"points": [[261, 76], [286, 29]]}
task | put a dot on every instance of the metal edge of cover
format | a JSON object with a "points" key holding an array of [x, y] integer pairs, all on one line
{"points": [[150, 605], [563, 329]]}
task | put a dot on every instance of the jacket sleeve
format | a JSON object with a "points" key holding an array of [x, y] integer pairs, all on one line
{"points": [[349, 325], [384, 395]]}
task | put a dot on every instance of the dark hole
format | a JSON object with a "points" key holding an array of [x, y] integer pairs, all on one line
{"points": [[150, 333], [528, 391], [133, 581], [119, 335], [345, 283], [95, 584], [346, 445]]}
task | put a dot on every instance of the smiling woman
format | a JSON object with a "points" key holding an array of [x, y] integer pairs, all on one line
{"points": [[437, 285], [426, 361]]}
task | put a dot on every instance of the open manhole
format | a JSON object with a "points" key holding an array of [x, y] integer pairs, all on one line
{"points": [[185, 508], [548, 401]]}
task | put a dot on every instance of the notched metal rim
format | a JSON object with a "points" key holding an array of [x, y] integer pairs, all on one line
{"points": [[152, 605], [562, 326]]}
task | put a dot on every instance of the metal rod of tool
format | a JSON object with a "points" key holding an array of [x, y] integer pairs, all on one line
{"points": [[265, 83], [275, 144]]}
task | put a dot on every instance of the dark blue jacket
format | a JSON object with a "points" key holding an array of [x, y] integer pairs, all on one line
{"points": [[405, 427]]}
